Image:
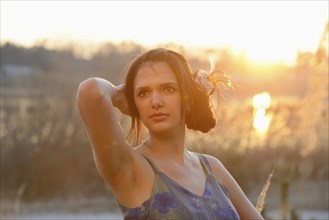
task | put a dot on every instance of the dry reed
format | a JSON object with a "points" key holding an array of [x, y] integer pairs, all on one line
{"points": [[261, 198]]}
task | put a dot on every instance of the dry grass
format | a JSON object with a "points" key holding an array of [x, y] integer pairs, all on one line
{"points": [[262, 196], [46, 148]]}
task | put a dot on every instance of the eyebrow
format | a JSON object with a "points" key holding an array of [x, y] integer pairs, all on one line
{"points": [[161, 85]]}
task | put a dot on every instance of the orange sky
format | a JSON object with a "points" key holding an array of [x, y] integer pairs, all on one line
{"points": [[266, 31]]}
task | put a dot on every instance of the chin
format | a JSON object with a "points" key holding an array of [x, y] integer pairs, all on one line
{"points": [[163, 128]]}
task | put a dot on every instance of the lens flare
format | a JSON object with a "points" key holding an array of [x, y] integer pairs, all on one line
{"points": [[262, 100], [261, 120]]}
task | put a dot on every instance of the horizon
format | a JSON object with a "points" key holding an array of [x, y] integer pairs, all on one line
{"points": [[266, 32]]}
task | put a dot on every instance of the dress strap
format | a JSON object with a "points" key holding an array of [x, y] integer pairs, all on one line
{"points": [[203, 160], [205, 163], [152, 163]]}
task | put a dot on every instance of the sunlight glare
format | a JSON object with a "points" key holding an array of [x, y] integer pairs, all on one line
{"points": [[261, 102], [261, 121], [266, 31]]}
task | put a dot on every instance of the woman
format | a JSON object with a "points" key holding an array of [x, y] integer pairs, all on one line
{"points": [[160, 178]]}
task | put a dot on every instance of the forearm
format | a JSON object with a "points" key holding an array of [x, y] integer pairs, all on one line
{"points": [[96, 108]]}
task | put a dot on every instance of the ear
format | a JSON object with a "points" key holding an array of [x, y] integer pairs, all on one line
{"points": [[187, 103], [188, 108]]}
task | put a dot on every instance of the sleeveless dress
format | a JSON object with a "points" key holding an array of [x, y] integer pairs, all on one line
{"points": [[169, 200]]}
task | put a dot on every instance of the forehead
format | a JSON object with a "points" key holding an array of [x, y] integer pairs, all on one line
{"points": [[154, 73]]}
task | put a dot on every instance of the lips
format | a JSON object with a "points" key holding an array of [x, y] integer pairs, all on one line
{"points": [[159, 116]]}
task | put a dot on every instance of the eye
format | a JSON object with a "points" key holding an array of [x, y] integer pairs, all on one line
{"points": [[169, 89], [142, 93]]}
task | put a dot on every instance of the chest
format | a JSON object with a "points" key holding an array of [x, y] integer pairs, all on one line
{"points": [[191, 178], [170, 201]]}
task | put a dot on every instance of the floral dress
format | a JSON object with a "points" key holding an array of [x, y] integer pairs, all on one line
{"points": [[169, 200]]}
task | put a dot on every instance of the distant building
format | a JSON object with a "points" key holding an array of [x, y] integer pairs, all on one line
{"points": [[19, 80], [16, 70]]}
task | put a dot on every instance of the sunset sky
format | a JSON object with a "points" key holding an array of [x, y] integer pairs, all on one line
{"points": [[266, 31]]}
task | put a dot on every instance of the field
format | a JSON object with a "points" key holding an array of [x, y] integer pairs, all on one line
{"points": [[47, 164]]}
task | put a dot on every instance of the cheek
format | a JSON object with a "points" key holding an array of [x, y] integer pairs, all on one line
{"points": [[137, 107], [178, 104], [140, 109]]}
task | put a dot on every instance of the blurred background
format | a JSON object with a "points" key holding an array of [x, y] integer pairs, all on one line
{"points": [[274, 118]]}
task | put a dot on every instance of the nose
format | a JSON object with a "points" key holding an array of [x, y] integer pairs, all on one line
{"points": [[157, 101]]}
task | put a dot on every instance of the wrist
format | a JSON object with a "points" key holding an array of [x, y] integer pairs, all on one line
{"points": [[117, 94]]}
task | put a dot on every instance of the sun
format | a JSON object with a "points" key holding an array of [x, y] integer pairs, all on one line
{"points": [[265, 31], [261, 102]]}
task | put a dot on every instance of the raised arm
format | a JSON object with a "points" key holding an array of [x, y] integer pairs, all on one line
{"points": [[95, 100]]}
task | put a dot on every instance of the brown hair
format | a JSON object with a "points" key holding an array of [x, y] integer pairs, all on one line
{"points": [[195, 104]]}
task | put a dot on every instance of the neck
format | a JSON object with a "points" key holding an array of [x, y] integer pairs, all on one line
{"points": [[170, 147]]}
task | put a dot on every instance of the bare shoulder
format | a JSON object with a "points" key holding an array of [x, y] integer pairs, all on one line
{"points": [[220, 172], [216, 165], [242, 204]]}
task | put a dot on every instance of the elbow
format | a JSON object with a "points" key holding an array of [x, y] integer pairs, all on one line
{"points": [[88, 90], [89, 93], [87, 86]]}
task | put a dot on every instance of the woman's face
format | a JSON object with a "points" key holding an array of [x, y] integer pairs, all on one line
{"points": [[157, 97]]}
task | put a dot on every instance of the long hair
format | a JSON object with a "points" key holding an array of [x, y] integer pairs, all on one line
{"points": [[195, 102]]}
